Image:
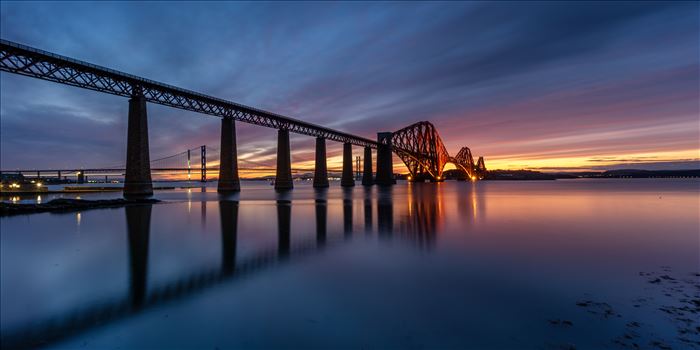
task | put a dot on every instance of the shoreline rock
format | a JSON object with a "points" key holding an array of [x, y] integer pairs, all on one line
{"points": [[68, 205]]}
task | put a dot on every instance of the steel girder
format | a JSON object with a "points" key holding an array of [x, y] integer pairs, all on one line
{"points": [[19, 59], [421, 149], [465, 161]]}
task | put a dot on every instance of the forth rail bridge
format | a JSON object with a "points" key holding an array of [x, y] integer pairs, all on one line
{"points": [[418, 145]]}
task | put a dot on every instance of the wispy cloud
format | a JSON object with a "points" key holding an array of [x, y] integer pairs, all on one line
{"points": [[514, 81]]}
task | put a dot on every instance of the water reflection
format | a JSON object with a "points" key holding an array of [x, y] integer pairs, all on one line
{"points": [[321, 210], [347, 212], [203, 214], [138, 224], [284, 223], [425, 214], [367, 191], [228, 212], [141, 296], [475, 270], [385, 211], [419, 223], [470, 203]]}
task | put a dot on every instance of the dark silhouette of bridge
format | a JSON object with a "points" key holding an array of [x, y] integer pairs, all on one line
{"points": [[418, 145]]}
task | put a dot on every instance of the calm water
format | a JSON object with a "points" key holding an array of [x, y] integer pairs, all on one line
{"points": [[554, 264]]}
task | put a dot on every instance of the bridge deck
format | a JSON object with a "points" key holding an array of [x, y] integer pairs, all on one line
{"points": [[24, 60]]}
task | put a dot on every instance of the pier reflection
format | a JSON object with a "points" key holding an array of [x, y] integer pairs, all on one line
{"points": [[347, 212], [321, 210], [284, 223], [367, 203], [228, 212], [203, 215], [385, 211], [418, 223], [470, 203], [138, 224], [424, 214], [142, 297]]}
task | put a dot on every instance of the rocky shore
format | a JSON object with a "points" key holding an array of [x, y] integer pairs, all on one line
{"points": [[68, 205]]}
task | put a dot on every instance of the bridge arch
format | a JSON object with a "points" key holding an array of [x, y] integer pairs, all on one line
{"points": [[422, 151]]}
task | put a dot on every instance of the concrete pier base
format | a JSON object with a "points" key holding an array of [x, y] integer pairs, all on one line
{"points": [[347, 179], [137, 182], [321, 167], [385, 166], [283, 177], [367, 174], [228, 169]]}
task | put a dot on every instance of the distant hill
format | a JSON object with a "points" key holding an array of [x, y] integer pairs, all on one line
{"points": [[537, 175], [525, 175], [510, 175], [635, 173]]}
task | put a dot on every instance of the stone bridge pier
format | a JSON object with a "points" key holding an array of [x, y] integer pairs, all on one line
{"points": [[228, 168], [347, 179], [385, 165], [137, 182], [367, 179], [321, 165], [283, 177]]}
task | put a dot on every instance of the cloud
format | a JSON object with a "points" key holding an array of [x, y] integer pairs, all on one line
{"points": [[506, 79]]}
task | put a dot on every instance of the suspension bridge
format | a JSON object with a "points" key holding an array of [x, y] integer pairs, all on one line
{"points": [[418, 145]]}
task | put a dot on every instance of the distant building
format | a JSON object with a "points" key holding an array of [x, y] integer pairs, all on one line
{"points": [[18, 183]]}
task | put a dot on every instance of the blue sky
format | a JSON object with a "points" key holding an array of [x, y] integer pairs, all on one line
{"points": [[526, 84]]}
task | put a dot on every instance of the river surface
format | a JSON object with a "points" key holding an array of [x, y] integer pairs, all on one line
{"points": [[585, 264]]}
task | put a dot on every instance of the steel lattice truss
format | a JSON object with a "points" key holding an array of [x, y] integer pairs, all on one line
{"points": [[420, 147], [465, 161], [24, 60], [480, 166]]}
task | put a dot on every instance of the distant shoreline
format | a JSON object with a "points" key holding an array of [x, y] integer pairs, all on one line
{"points": [[497, 175]]}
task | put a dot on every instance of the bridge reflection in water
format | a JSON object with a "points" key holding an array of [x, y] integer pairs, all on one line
{"points": [[418, 221]]}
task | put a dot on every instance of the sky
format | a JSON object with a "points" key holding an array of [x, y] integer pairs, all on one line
{"points": [[545, 86]]}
